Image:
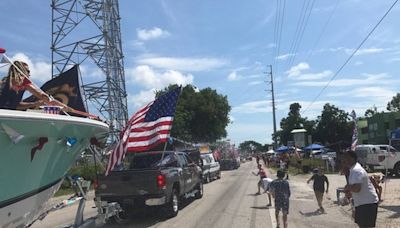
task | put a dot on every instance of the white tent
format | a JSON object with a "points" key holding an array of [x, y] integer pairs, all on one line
{"points": [[271, 152]]}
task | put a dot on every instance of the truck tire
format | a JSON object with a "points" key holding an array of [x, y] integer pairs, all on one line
{"points": [[172, 207], [199, 193], [396, 170]]}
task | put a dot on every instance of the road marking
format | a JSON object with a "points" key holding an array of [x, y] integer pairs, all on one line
{"points": [[272, 215]]}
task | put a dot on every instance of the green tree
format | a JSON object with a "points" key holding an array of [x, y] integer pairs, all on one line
{"points": [[200, 116], [293, 121], [371, 111], [394, 104], [333, 126], [251, 146]]}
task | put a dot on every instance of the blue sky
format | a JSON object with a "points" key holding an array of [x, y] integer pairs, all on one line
{"points": [[227, 45]]}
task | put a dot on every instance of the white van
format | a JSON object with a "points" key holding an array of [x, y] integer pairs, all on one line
{"points": [[379, 158], [211, 168]]}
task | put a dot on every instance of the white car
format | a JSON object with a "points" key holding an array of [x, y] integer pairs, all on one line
{"points": [[211, 168], [379, 158]]}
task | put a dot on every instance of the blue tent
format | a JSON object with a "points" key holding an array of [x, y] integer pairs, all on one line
{"points": [[313, 147], [395, 134], [283, 149]]}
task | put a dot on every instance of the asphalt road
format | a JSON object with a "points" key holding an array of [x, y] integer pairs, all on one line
{"points": [[228, 202]]}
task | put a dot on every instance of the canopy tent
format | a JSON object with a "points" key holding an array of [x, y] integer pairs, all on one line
{"points": [[271, 152], [313, 147], [283, 149], [395, 134]]}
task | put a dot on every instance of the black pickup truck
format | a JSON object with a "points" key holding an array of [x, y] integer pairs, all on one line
{"points": [[151, 179]]}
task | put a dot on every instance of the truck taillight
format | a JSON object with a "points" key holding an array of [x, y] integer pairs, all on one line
{"points": [[95, 184], [161, 181], [381, 158]]}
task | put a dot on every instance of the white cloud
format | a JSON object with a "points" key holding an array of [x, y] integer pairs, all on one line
{"points": [[141, 99], [146, 76], [233, 76], [364, 51], [296, 70], [314, 76], [358, 63], [369, 79], [255, 82], [184, 64], [373, 93], [263, 106], [151, 34], [284, 56], [40, 70], [308, 109]]}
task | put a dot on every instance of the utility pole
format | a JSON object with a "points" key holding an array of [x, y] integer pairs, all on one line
{"points": [[270, 80]]}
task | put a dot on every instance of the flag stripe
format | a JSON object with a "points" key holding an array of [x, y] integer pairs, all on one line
{"points": [[152, 123], [143, 129], [148, 141], [135, 134], [144, 148]]}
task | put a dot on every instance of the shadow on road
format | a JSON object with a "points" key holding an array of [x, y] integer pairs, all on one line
{"points": [[312, 213], [262, 208], [146, 218], [395, 209]]}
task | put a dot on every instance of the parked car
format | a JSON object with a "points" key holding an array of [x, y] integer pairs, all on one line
{"points": [[151, 179], [229, 164], [211, 168]]}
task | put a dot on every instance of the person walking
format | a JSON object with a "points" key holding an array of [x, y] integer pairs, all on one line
{"points": [[362, 190], [281, 192], [319, 186], [261, 172]]}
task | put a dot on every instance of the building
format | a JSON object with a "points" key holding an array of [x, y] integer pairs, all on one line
{"points": [[377, 129], [362, 127]]}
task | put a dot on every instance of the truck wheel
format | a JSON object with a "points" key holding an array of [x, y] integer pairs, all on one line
{"points": [[396, 170], [172, 207], [199, 193]]}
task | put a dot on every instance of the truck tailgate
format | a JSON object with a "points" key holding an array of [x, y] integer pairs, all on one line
{"points": [[129, 183]]}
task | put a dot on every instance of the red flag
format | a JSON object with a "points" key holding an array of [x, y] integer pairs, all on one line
{"points": [[147, 128]]}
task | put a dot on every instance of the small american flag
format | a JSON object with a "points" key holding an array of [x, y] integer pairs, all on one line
{"points": [[354, 139], [147, 128]]}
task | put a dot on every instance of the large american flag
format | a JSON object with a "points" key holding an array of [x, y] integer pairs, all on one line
{"points": [[354, 139], [147, 128]]}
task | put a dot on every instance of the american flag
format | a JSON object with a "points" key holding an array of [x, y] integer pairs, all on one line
{"points": [[147, 128], [354, 139]]}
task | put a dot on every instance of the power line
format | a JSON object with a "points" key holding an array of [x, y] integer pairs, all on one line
{"points": [[300, 37], [323, 30], [351, 56]]}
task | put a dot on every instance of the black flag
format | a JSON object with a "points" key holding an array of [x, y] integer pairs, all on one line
{"points": [[64, 88]]}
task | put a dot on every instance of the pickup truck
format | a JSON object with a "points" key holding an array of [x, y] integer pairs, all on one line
{"points": [[151, 179], [379, 158]]}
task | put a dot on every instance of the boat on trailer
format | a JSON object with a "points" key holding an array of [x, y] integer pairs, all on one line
{"points": [[36, 151]]}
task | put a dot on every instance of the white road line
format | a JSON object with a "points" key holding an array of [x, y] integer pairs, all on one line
{"points": [[272, 215]]}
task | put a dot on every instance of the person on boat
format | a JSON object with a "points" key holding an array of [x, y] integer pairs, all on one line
{"points": [[13, 86]]}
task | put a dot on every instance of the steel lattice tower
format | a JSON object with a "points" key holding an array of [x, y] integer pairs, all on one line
{"points": [[91, 28]]}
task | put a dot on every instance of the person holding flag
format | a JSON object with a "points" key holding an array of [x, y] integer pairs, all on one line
{"points": [[13, 86]]}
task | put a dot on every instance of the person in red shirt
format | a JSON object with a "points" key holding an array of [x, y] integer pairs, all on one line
{"points": [[262, 174], [13, 86]]}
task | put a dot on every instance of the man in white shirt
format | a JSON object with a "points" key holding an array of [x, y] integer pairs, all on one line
{"points": [[362, 191]]}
